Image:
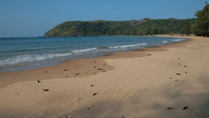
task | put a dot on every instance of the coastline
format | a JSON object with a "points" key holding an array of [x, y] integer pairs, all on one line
{"points": [[72, 68], [150, 82]]}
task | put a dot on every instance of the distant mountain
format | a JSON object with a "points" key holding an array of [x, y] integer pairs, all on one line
{"points": [[132, 27]]}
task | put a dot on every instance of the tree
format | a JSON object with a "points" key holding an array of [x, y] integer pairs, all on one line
{"points": [[187, 28], [202, 22]]}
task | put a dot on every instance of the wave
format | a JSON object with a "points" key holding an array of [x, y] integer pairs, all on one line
{"points": [[177, 40], [39, 57], [83, 50], [30, 58], [164, 41], [106, 48], [128, 46]]}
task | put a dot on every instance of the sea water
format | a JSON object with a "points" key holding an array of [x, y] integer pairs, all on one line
{"points": [[26, 53]]}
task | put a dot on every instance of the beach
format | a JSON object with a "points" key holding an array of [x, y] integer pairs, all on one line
{"points": [[167, 81]]}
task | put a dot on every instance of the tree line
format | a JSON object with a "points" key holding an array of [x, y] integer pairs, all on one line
{"points": [[198, 26]]}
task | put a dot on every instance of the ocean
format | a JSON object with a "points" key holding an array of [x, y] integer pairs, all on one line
{"points": [[18, 54]]}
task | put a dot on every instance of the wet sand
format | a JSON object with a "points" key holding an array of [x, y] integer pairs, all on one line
{"points": [[167, 81]]}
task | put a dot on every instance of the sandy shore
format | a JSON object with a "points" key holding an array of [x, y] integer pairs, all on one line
{"points": [[170, 81]]}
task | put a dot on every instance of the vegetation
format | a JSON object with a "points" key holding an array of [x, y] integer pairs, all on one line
{"points": [[132, 27], [202, 22]]}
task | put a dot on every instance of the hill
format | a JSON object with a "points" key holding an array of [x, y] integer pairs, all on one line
{"points": [[133, 27]]}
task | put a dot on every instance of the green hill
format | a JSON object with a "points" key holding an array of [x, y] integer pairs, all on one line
{"points": [[132, 27]]}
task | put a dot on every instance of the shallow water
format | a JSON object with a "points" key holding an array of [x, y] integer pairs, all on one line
{"points": [[27, 53]]}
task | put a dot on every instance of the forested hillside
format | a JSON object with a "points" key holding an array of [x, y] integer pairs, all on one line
{"points": [[132, 27]]}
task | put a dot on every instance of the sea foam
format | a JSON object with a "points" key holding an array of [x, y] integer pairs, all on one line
{"points": [[30, 58]]}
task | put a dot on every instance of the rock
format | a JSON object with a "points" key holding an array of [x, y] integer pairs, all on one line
{"points": [[65, 69], [169, 108], [178, 73], [185, 108], [94, 94], [45, 89]]}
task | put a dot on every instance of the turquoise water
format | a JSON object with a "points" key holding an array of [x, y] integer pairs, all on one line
{"points": [[27, 53]]}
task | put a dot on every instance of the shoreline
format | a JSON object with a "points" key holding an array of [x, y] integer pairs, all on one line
{"points": [[168, 81], [88, 65], [32, 61]]}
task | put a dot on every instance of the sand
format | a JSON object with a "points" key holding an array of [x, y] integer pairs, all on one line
{"points": [[170, 81]]}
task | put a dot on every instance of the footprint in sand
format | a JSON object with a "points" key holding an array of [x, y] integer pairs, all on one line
{"points": [[65, 69], [178, 73], [45, 71], [170, 108]]}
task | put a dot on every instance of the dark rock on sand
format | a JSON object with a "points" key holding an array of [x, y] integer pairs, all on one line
{"points": [[94, 94], [45, 89], [65, 69], [169, 108], [185, 108], [178, 73]]}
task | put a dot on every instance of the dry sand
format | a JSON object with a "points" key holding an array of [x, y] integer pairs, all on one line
{"points": [[170, 81]]}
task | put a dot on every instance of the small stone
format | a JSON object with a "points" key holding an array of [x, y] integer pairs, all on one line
{"points": [[65, 69], [99, 69], [38, 81], [169, 108], [45, 89], [94, 94], [185, 108], [77, 73], [178, 73]]}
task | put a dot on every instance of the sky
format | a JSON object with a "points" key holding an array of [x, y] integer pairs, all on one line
{"points": [[32, 18]]}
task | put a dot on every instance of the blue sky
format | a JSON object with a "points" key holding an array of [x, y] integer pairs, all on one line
{"points": [[29, 18]]}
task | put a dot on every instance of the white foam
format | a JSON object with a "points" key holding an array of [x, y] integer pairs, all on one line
{"points": [[83, 50], [30, 58], [128, 46], [177, 40], [164, 41]]}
